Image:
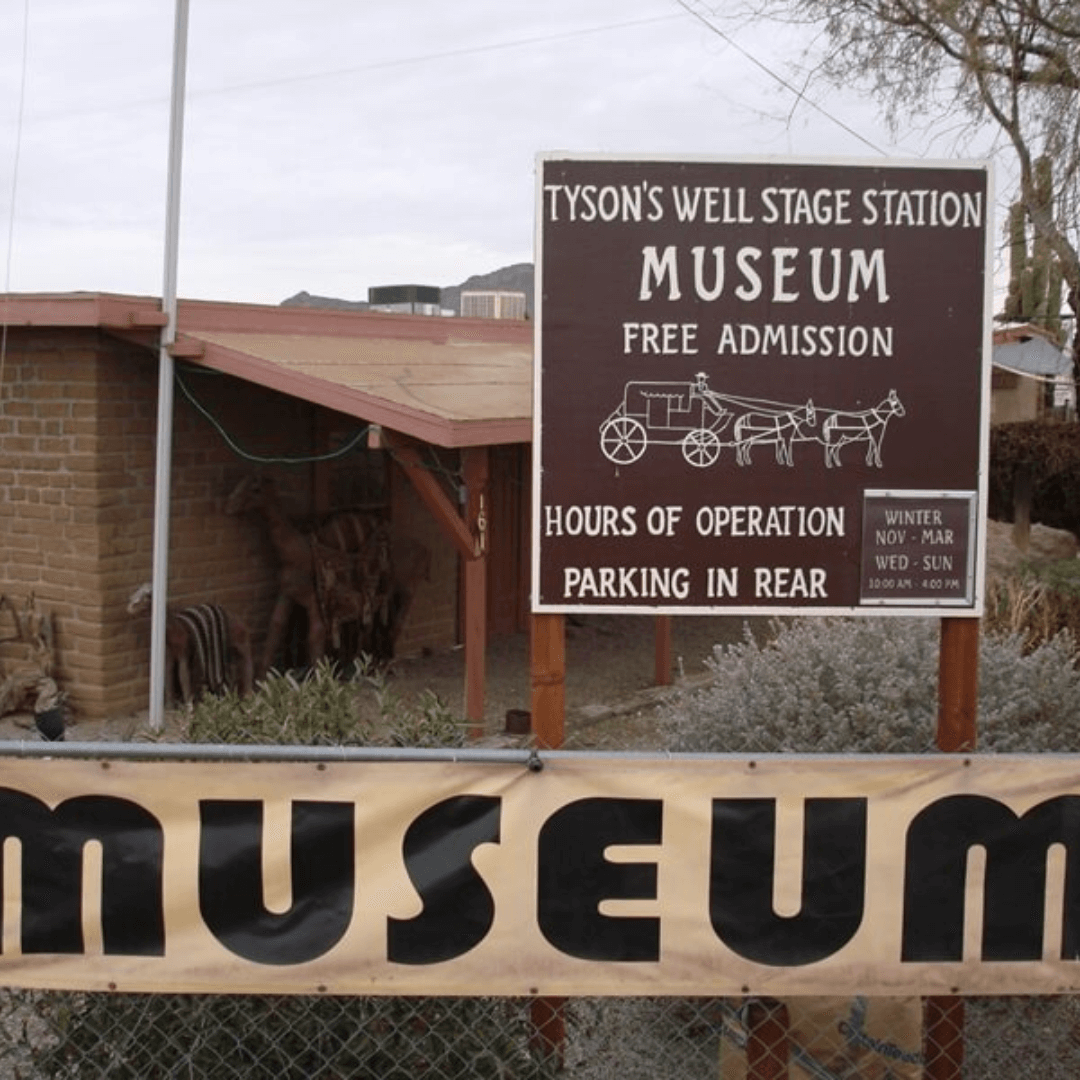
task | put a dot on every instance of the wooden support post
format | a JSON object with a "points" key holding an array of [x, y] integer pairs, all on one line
{"points": [[1022, 490], [663, 650], [549, 680], [943, 1038], [767, 1040], [548, 1039], [548, 647], [957, 731], [475, 467], [958, 684], [475, 644], [468, 534]]}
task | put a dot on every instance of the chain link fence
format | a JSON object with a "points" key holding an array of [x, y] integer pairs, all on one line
{"points": [[864, 688], [78, 1036]]}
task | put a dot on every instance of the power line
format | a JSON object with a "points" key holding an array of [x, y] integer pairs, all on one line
{"points": [[799, 95], [448, 54], [356, 441], [360, 69]]}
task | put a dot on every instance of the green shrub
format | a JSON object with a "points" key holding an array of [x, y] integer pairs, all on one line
{"points": [[1049, 453], [323, 709]]}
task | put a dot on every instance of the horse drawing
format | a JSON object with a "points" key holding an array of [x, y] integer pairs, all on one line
{"points": [[778, 428], [868, 426]]}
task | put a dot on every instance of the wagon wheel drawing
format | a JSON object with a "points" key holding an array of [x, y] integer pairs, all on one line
{"points": [[701, 447], [623, 439]]}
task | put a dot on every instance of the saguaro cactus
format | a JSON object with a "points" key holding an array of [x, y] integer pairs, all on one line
{"points": [[1035, 277]]}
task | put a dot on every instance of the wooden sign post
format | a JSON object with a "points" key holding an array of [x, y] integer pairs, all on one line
{"points": [[548, 661], [958, 684], [958, 693]]}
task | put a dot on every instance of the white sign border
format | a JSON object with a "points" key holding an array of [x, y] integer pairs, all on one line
{"points": [[976, 609]]}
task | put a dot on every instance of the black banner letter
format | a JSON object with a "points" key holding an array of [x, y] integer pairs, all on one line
{"points": [[231, 885], [458, 907], [742, 873], [132, 912], [574, 877], [1015, 891]]}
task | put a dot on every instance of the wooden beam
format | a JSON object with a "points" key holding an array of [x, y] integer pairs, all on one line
{"points": [[475, 467], [768, 1030], [185, 348], [548, 1038], [548, 664], [943, 1038], [958, 684], [957, 731], [548, 643], [432, 494], [1022, 493]]}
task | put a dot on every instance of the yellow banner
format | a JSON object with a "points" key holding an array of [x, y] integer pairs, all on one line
{"points": [[594, 875]]}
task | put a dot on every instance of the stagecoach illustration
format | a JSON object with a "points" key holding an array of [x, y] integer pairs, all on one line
{"points": [[702, 422]]}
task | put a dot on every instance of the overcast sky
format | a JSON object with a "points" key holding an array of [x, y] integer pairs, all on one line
{"points": [[332, 145]]}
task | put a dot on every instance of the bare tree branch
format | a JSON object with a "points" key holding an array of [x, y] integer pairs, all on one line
{"points": [[1012, 63]]}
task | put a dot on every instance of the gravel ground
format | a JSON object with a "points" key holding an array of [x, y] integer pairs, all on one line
{"points": [[610, 675], [610, 681]]}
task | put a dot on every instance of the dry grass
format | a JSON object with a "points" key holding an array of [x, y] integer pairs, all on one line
{"points": [[1036, 604]]}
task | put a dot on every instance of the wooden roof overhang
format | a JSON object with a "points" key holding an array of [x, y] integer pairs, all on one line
{"points": [[446, 381]]}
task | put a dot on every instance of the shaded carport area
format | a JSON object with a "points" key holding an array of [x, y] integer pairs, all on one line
{"points": [[419, 382]]}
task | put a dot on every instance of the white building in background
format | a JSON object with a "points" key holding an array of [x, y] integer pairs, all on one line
{"points": [[492, 304]]}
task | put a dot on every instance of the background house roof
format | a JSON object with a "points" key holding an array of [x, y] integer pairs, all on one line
{"points": [[1029, 351]]}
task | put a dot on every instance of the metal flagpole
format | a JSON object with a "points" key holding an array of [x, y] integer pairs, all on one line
{"points": [[163, 463]]}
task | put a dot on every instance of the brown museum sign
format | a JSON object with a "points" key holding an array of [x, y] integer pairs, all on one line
{"points": [[760, 385]]}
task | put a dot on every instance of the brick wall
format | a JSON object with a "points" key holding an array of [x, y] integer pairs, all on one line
{"points": [[61, 517], [77, 447], [214, 556]]}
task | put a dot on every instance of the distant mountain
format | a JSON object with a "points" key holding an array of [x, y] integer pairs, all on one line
{"points": [[516, 278], [306, 299]]}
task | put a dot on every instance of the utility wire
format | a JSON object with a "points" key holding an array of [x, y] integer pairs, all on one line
{"points": [[360, 69], [449, 54], [434, 465], [799, 94], [347, 448]]}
